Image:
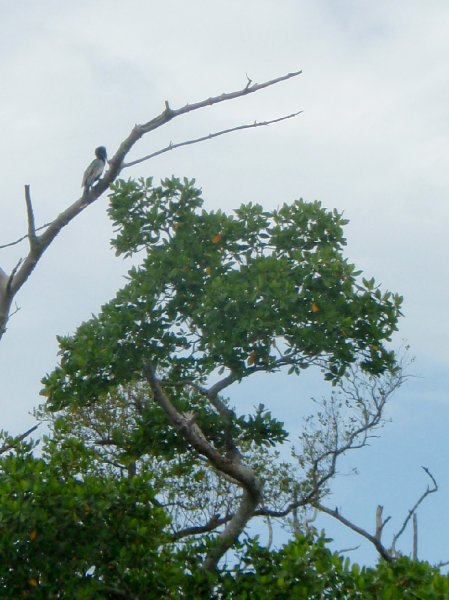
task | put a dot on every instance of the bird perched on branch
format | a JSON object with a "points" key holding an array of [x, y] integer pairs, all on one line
{"points": [[95, 169]]}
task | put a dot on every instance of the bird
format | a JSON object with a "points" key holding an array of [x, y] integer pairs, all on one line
{"points": [[96, 168]]}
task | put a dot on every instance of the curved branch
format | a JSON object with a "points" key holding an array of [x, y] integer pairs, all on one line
{"points": [[212, 524], [242, 474], [24, 237]]}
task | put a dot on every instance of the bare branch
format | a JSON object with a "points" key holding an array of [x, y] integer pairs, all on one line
{"points": [[390, 554], [221, 385], [24, 237], [344, 550], [248, 89], [212, 524], [441, 564], [412, 511], [40, 243], [210, 136], [373, 539], [380, 523], [30, 217], [16, 440]]}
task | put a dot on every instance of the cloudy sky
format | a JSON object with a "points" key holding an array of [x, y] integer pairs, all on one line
{"points": [[373, 141]]}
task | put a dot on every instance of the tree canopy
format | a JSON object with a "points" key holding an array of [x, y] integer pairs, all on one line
{"points": [[245, 292], [217, 298]]}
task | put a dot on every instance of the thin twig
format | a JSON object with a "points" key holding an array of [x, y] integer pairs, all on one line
{"points": [[24, 237], [411, 512], [373, 539], [344, 550], [208, 137], [169, 113], [212, 524], [13, 443]]}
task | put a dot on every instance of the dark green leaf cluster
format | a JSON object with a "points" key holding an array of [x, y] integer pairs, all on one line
{"points": [[261, 428], [70, 532], [305, 569], [250, 291]]}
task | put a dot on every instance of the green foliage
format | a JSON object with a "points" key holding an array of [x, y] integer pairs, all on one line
{"points": [[246, 292], [242, 293], [305, 569], [261, 428], [69, 531]]}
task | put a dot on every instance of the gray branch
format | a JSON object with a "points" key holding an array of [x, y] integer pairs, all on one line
{"points": [[372, 538], [209, 136], [39, 243], [12, 442], [412, 511], [243, 475]]}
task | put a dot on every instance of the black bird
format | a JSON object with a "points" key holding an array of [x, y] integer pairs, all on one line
{"points": [[95, 169]]}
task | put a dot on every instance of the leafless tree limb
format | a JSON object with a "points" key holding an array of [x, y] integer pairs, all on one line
{"points": [[270, 532], [441, 564], [24, 237], [41, 242], [388, 554], [12, 443], [380, 522], [211, 525], [372, 538], [209, 136], [345, 550], [30, 216], [412, 511]]}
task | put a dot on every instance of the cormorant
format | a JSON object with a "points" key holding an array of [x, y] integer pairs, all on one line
{"points": [[95, 169]]}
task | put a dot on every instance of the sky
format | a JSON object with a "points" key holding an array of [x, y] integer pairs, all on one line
{"points": [[372, 141]]}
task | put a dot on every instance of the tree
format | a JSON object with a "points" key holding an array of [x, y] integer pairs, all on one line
{"points": [[216, 299]]}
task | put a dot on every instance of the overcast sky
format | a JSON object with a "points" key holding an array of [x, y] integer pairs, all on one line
{"points": [[373, 141]]}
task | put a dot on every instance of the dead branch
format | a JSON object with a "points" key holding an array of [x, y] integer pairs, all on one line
{"points": [[372, 538], [441, 564], [210, 136], [380, 522], [30, 216], [211, 525], [12, 443], [39, 243], [412, 511], [390, 554], [351, 549], [24, 237]]}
